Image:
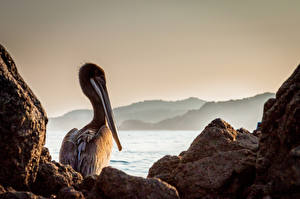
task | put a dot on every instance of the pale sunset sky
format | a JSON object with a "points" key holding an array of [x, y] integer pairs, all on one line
{"points": [[155, 49]]}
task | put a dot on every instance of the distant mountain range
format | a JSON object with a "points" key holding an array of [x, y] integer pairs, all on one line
{"points": [[156, 110], [146, 111], [188, 114]]}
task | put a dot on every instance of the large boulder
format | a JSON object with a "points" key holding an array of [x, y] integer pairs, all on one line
{"points": [[22, 127], [113, 183], [220, 163], [278, 159]]}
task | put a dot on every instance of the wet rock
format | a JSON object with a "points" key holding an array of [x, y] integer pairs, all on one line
{"points": [[220, 163], [69, 193], [53, 176], [278, 159], [113, 183], [22, 127]]}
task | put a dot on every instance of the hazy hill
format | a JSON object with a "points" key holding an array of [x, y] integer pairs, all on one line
{"points": [[240, 113], [156, 110], [72, 119], [146, 111]]}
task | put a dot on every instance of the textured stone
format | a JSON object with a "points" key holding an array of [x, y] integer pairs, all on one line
{"points": [[10, 193], [220, 163], [2, 190], [45, 155], [69, 193], [53, 176], [22, 127], [87, 184], [113, 183], [278, 159]]}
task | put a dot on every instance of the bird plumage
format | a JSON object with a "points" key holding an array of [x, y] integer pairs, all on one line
{"points": [[88, 150]]}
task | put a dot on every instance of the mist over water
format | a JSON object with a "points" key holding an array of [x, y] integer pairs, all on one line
{"points": [[140, 148]]}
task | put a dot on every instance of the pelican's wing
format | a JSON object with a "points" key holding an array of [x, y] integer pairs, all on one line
{"points": [[68, 149], [94, 151]]}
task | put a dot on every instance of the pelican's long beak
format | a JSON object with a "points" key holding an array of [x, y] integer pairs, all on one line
{"points": [[103, 94]]}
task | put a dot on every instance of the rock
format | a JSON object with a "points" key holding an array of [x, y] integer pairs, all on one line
{"points": [[2, 190], [113, 183], [247, 139], [87, 184], [45, 155], [19, 195], [10, 193], [278, 159], [22, 127], [164, 167], [69, 193], [53, 176], [220, 163], [257, 133]]}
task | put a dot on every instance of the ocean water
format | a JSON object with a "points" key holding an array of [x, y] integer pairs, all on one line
{"points": [[140, 148]]}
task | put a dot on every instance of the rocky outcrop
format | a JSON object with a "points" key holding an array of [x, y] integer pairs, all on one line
{"points": [[224, 163], [278, 157], [220, 163], [113, 183], [53, 176], [22, 127], [25, 163]]}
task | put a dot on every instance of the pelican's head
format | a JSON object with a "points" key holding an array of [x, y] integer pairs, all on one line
{"points": [[93, 84]]}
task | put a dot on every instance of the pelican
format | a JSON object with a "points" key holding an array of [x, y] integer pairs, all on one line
{"points": [[88, 150]]}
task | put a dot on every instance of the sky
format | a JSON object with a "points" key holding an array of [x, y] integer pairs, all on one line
{"points": [[166, 49]]}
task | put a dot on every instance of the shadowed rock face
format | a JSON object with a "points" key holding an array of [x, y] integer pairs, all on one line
{"points": [[70, 193], [11, 193], [53, 176], [113, 183], [278, 159], [22, 127], [219, 163]]}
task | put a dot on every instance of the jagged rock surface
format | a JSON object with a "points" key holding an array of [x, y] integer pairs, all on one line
{"points": [[11, 193], [113, 183], [87, 184], [220, 163], [53, 176], [22, 127], [70, 193], [278, 159]]}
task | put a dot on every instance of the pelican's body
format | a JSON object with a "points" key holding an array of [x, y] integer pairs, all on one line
{"points": [[88, 150]]}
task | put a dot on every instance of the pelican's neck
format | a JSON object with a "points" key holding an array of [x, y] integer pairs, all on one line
{"points": [[99, 115]]}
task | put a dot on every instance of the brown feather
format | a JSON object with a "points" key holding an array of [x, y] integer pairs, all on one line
{"points": [[89, 150], [68, 147]]}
